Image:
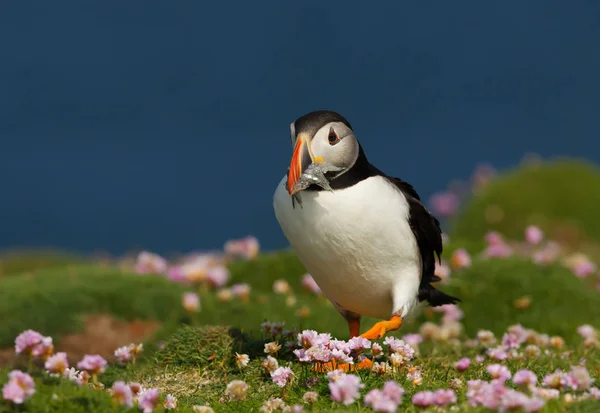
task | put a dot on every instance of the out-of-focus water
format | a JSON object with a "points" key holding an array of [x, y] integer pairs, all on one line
{"points": [[164, 125]]}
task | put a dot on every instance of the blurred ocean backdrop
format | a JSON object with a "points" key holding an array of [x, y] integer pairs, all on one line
{"points": [[165, 125]]}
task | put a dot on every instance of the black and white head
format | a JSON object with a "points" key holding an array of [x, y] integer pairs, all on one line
{"points": [[321, 136]]}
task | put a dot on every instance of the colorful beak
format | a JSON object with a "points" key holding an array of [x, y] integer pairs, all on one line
{"points": [[301, 159]]}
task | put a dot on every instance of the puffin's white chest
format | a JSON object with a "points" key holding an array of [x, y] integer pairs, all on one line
{"points": [[356, 243]]}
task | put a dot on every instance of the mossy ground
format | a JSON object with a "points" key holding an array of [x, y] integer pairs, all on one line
{"points": [[192, 357]]}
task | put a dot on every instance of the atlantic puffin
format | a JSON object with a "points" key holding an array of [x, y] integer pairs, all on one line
{"points": [[369, 242]]}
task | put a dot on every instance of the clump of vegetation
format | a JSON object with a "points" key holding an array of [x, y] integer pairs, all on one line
{"points": [[557, 196]]}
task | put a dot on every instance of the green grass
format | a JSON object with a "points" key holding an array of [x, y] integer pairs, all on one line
{"points": [[52, 301], [195, 361], [557, 196], [19, 262]]}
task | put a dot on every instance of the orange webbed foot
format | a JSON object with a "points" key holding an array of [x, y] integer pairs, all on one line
{"points": [[381, 328], [345, 367]]}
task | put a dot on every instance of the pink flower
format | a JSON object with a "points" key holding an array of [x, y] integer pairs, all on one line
{"points": [[547, 254], [376, 349], [247, 247], [177, 274], [510, 340], [497, 354], [57, 364], [93, 364], [584, 267], [444, 397], [451, 312], [525, 378], [412, 340], [556, 380], [241, 290], [462, 364], [500, 250], [191, 302], [442, 270], [27, 340], [310, 338], [218, 276], [399, 347], [499, 372], [345, 389], [150, 263], [460, 259], [423, 399], [579, 378], [587, 332], [170, 402], [386, 400], [358, 344], [123, 354], [282, 375], [310, 284], [122, 394], [533, 235], [147, 400], [444, 204], [19, 388], [493, 238]]}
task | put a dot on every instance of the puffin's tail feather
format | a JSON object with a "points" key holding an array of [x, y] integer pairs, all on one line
{"points": [[435, 297]]}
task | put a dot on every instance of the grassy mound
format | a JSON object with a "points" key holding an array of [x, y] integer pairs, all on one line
{"points": [[559, 301], [559, 196], [18, 262], [52, 301]]}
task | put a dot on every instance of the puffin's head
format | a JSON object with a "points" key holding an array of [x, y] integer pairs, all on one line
{"points": [[321, 136]]}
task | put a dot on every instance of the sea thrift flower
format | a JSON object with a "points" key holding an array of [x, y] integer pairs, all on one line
{"points": [[486, 338], [123, 354], [533, 235], [78, 377], [19, 388], [510, 340], [462, 364], [442, 270], [493, 238], [217, 276], [26, 341], [93, 364], [497, 354], [270, 364], [170, 402], [451, 312], [414, 375], [583, 267], [587, 331], [460, 259], [136, 388], [444, 204], [177, 274], [381, 368], [57, 364], [241, 290], [532, 351], [282, 376], [499, 372], [557, 342], [236, 390], [579, 378], [43, 349], [274, 404], [376, 349], [501, 250], [400, 347], [310, 284], [310, 397], [556, 380], [150, 263], [272, 348], [241, 360], [122, 394], [423, 399], [191, 302], [247, 247], [281, 287], [147, 400], [444, 397], [345, 388], [525, 378]]}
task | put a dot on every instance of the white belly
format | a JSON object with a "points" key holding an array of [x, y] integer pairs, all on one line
{"points": [[357, 244]]}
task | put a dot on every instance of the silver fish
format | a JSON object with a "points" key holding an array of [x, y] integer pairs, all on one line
{"points": [[314, 175]]}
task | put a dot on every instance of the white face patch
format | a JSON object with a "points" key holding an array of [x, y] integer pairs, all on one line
{"points": [[341, 152]]}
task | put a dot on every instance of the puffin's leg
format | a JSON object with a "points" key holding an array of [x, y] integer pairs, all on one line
{"points": [[382, 327]]}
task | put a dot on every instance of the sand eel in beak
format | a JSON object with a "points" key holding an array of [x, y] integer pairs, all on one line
{"points": [[364, 236]]}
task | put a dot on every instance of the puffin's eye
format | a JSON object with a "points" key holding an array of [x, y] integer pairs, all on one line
{"points": [[332, 137]]}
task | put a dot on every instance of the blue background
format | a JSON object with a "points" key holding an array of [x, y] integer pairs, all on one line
{"points": [[164, 125]]}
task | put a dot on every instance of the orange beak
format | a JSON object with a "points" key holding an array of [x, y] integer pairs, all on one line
{"points": [[301, 159]]}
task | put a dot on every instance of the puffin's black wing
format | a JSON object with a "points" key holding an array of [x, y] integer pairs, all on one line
{"points": [[428, 233]]}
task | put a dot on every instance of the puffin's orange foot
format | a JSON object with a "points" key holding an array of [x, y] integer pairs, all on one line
{"points": [[382, 327], [345, 367]]}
